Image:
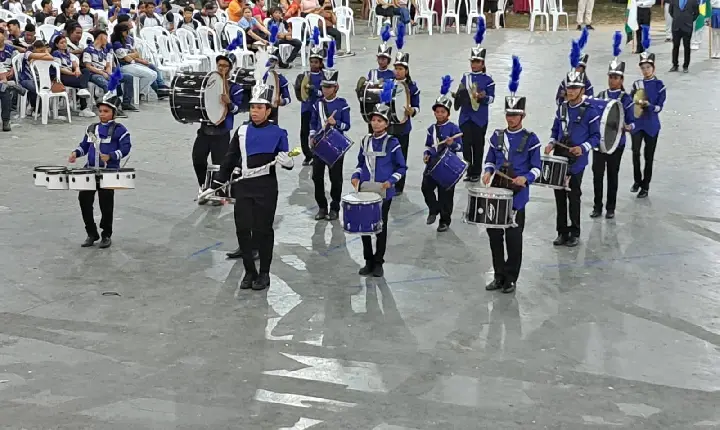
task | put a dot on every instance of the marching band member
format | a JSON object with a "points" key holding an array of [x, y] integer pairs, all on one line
{"points": [[647, 125], [577, 127], [580, 68], [517, 150], [474, 123], [254, 148], [306, 107], [443, 133], [330, 111], [385, 153], [273, 62], [402, 75], [113, 141], [615, 91], [384, 56]]}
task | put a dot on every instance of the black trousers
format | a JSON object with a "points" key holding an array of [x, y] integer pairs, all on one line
{"points": [[254, 217], [612, 161], [336, 35], [107, 204], [387, 12], [377, 257], [677, 36], [296, 45], [643, 176], [305, 134], [643, 18], [512, 240], [473, 146], [562, 198], [216, 146], [443, 203], [5, 104], [404, 140], [318, 176]]}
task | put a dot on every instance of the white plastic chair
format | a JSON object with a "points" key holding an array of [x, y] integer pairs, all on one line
{"points": [[538, 11], [17, 63], [147, 53], [100, 14], [300, 31], [150, 34], [36, 6], [168, 57], [340, 3], [426, 13], [185, 57], [500, 13], [222, 16], [555, 9], [6, 15], [43, 83], [345, 23], [247, 58], [190, 49], [450, 12], [473, 12], [315, 20], [204, 35], [46, 31]]}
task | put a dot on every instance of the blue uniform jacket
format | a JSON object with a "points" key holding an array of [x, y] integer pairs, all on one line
{"points": [[316, 81], [583, 131], [485, 83], [406, 128], [628, 108], [116, 146], [284, 88], [377, 74], [436, 133], [525, 163], [649, 121], [254, 146], [236, 99], [324, 108], [588, 91], [389, 161]]}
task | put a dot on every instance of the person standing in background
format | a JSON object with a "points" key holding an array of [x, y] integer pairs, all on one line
{"points": [[643, 18], [584, 14], [668, 20], [699, 25], [683, 13]]}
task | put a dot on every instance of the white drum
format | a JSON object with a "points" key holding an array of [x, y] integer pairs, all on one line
{"points": [[117, 179], [57, 179], [82, 179], [39, 174]]}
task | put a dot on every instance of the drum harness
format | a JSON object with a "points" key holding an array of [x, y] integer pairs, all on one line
{"points": [[567, 128], [371, 156], [96, 140], [506, 167]]}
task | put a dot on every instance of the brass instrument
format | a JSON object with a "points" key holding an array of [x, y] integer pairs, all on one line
{"points": [[277, 94], [305, 88], [464, 96], [640, 98]]}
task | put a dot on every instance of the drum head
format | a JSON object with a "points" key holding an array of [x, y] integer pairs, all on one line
{"points": [[491, 192], [215, 109], [362, 198], [401, 100], [611, 123]]}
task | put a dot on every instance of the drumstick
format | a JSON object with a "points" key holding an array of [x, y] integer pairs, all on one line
{"points": [[451, 137], [332, 115]]}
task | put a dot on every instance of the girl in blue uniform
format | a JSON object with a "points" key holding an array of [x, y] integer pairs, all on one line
{"points": [[306, 107]]}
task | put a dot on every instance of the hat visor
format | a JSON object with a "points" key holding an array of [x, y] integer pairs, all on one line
{"points": [[383, 116], [615, 72], [575, 85], [437, 105], [512, 112]]}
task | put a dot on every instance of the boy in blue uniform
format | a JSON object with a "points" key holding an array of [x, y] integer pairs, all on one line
{"points": [[384, 153], [580, 68], [473, 123], [647, 125], [254, 148], [330, 111], [517, 151], [113, 141], [306, 107], [402, 76], [615, 91], [444, 133], [577, 126]]}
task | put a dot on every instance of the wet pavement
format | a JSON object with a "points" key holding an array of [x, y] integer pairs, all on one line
{"points": [[620, 332]]}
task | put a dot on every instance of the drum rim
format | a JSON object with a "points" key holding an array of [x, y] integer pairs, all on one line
{"points": [[203, 107], [118, 170], [484, 191], [603, 123], [554, 158], [393, 111], [81, 171], [57, 172], [42, 169], [377, 199]]}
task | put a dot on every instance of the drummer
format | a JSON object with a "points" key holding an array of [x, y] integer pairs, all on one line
{"points": [[384, 56], [385, 154], [306, 107], [114, 144], [329, 111], [580, 68], [284, 89], [601, 160], [517, 149], [442, 136], [402, 75]]}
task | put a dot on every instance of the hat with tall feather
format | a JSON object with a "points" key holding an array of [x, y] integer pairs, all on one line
{"points": [[383, 49], [444, 100], [575, 79], [401, 58], [382, 109], [111, 99], [582, 42], [514, 104], [262, 94], [646, 56], [477, 52], [616, 66], [316, 50], [330, 75]]}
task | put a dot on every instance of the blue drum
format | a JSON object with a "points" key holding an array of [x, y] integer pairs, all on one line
{"points": [[612, 120], [331, 145], [447, 169], [362, 213]]}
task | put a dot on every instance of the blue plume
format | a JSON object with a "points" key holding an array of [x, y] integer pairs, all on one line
{"points": [[446, 82], [236, 43], [400, 39], [515, 74], [575, 54], [646, 37], [115, 79], [385, 34], [387, 91], [273, 33], [331, 55], [617, 41], [480, 33], [583, 40], [316, 36]]}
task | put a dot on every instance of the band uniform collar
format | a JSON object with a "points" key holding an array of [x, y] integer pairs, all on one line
{"points": [[107, 123], [582, 100], [507, 130], [261, 125], [444, 123], [327, 100], [384, 133]]}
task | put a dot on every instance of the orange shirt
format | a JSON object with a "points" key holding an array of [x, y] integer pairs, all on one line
{"points": [[234, 11]]}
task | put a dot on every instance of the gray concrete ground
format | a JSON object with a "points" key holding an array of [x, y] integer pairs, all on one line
{"points": [[621, 332]]}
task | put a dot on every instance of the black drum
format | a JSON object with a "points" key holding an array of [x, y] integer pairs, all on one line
{"points": [[369, 96], [196, 97], [246, 79], [490, 207]]}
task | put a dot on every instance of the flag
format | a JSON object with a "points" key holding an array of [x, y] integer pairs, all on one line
{"points": [[705, 11], [631, 24]]}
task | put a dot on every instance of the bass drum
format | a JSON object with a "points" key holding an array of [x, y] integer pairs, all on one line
{"points": [[195, 97], [246, 79], [612, 120], [369, 98]]}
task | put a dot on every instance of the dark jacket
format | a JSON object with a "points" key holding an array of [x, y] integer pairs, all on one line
{"points": [[684, 19]]}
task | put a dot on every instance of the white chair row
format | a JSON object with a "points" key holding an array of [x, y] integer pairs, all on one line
{"points": [[544, 9], [45, 97]]}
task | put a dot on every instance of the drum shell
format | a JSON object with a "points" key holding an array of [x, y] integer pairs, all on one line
{"points": [[400, 100], [362, 216], [40, 174], [370, 98], [185, 96], [57, 180], [612, 120], [490, 207], [331, 146], [246, 79], [82, 179], [553, 170], [447, 169], [117, 179]]}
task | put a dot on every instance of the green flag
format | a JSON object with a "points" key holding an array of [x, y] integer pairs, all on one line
{"points": [[704, 14]]}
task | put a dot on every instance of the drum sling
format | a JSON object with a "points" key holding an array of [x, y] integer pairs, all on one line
{"points": [[506, 167], [567, 128], [373, 186]]}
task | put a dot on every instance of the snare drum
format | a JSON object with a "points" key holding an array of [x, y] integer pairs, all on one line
{"points": [[117, 179], [554, 171], [447, 169], [39, 174], [82, 179], [246, 79], [331, 145], [57, 179], [195, 97], [490, 207], [362, 213]]}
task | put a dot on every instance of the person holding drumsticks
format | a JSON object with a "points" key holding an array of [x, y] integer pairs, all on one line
{"points": [[330, 111], [381, 164], [519, 150]]}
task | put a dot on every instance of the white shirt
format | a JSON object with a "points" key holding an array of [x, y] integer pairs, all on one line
{"points": [[645, 3]]}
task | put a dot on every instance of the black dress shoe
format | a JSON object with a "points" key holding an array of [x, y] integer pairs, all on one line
{"points": [[496, 284], [674, 69], [6, 126], [333, 215], [509, 287], [378, 271], [572, 242], [443, 227], [398, 193], [366, 270], [431, 219], [235, 254], [321, 214], [642, 194], [474, 179], [685, 70], [261, 282], [610, 215], [247, 281], [595, 213], [635, 188], [466, 179], [90, 241], [560, 240], [105, 242], [129, 108], [590, 27]]}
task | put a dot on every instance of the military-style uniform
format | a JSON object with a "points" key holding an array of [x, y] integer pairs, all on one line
{"points": [[381, 74], [402, 131], [284, 85], [307, 106]]}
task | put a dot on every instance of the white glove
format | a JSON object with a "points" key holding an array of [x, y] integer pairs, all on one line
{"points": [[285, 160]]}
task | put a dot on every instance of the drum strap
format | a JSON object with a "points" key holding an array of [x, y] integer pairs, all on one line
{"points": [[564, 119], [111, 131], [323, 112], [371, 155], [373, 75]]}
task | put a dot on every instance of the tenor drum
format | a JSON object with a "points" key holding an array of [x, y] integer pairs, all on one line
{"points": [[554, 170], [195, 97], [612, 119], [362, 213], [490, 207], [40, 174], [331, 145], [447, 169], [57, 179], [246, 79], [82, 179], [117, 179]]}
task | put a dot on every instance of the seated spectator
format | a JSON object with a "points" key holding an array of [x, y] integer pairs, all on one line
{"points": [[258, 12], [235, 10], [116, 10], [70, 74], [39, 51], [98, 68], [75, 41], [3, 26], [207, 15], [149, 18], [131, 63], [309, 6], [15, 6], [386, 9], [403, 11], [255, 30], [167, 15], [284, 35], [85, 17], [188, 23], [14, 34], [330, 23], [8, 85], [68, 11], [26, 39], [45, 12]]}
